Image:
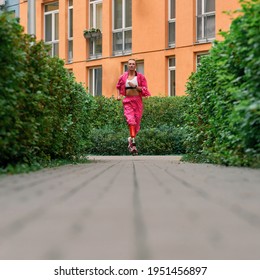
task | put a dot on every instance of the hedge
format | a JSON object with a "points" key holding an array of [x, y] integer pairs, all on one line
{"points": [[161, 131], [223, 109], [44, 111]]}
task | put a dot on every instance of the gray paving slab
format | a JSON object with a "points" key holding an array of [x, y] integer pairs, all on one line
{"points": [[143, 207]]}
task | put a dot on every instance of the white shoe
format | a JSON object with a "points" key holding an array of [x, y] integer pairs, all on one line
{"points": [[130, 144]]}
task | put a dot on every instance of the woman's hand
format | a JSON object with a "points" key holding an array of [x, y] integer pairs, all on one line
{"points": [[119, 97]]}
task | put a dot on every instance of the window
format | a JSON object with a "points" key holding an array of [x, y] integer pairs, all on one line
{"points": [[205, 20], [172, 79], [12, 6], [51, 27], [198, 58], [95, 81], [171, 28], [122, 27], [139, 66], [95, 17], [70, 31]]}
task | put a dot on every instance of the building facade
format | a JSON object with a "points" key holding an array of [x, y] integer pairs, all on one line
{"points": [[166, 37]]}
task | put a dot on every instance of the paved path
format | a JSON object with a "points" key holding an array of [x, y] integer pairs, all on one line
{"points": [[131, 208]]}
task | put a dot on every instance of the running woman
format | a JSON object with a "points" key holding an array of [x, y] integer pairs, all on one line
{"points": [[132, 87]]}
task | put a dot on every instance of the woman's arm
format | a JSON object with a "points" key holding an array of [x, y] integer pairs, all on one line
{"points": [[143, 87]]}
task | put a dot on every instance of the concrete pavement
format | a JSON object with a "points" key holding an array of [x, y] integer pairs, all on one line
{"points": [[143, 207]]}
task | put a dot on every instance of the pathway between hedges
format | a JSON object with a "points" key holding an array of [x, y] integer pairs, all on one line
{"points": [[131, 208]]}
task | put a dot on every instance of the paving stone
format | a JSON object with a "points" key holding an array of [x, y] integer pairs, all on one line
{"points": [[124, 207]]}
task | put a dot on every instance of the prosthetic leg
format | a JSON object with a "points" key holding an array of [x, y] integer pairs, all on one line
{"points": [[131, 140]]}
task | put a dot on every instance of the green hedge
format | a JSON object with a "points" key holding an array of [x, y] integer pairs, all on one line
{"points": [[44, 111], [223, 110], [161, 131]]}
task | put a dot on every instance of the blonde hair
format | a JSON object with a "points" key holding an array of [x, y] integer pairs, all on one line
{"points": [[131, 59]]}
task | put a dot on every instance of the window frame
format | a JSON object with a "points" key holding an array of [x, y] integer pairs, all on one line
{"points": [[170, 69], [204, 15], [171, 21], [122, 30], [13, 7], [94, 41], [92, 90], [53, 40], [70, 38]]}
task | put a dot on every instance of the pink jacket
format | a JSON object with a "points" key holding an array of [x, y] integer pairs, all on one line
{"points": [[141, 83]]}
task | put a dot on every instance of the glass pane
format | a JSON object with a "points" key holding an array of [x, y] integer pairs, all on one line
{"points": [[99, 16], [90, 82], [70, 54], [70, 2], [172, 9], [210, 26], [98, 82], [199, 7], [56, 49], [199, 28], [118, 14], [98, 46], [172, 62], [117, 41], [56, 36], [172, 83], [91, 16], [91, 47], [140, 67], [71, 23], [48, 28], [209, 6], [171, 33], [128, 13], [128, 40], [52, 7]]}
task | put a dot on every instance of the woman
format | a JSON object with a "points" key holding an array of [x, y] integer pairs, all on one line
{"points": [[132, 86]]}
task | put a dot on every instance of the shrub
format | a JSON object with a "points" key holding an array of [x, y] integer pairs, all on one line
{"points": [[164, 140], [107, 112], [160, 111], [223, 115], [13, 115], [108, 141], [44, 114], [161, 128]]}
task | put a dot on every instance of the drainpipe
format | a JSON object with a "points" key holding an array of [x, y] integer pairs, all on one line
{"points": [[31, 17]]}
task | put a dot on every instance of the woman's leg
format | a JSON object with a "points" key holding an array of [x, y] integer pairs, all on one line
{"points": [[138, 114], [129, 112]]}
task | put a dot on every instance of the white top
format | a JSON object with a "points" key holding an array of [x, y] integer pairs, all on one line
{"points": [[133, 81]]}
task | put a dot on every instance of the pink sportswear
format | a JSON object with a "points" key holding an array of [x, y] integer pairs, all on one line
{"points": [[133, 105]]}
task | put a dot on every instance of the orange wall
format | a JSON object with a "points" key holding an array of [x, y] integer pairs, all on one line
{"points": [[184, 23], [223, 21], [149, 26], [149, 40], [23, 14]]}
